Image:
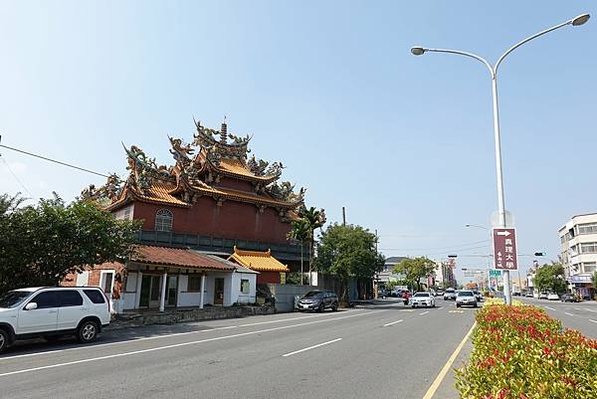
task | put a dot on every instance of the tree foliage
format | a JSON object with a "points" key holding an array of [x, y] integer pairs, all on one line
{"points": [[415, 269], [303, 229], [348, 252], [40, 244], [550, 278]]}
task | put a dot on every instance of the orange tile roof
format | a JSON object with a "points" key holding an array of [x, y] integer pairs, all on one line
{"points": [[259, 261], [180, 257], [160, 192]]}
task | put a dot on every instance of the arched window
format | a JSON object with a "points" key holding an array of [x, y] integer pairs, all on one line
{"points": [[163, 220]]}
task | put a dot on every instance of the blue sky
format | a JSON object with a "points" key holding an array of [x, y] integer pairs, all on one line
{"points": [[330, 89]]}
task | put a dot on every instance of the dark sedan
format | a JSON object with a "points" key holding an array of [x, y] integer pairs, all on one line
{"points": [[318, 300]]}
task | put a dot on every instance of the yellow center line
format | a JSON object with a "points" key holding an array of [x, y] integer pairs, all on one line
{"points": [[442, 374]]}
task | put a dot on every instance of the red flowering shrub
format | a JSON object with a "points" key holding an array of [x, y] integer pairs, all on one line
{"points": [[520, 352]]}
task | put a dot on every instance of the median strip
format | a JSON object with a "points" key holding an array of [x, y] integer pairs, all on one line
{"points": [[312, 347]]}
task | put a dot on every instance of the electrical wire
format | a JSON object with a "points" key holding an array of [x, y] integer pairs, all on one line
{"points": [[15, 176], [53, 160]]}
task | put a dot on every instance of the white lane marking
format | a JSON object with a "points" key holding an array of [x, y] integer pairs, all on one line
{"points": [[550, 308], [157, 348], [591, 310], [393, 322], [312, 347], [594, 321], [569, 314], [579, 309], [77, 348], [439, 307], [424, 313], [442, 374]]}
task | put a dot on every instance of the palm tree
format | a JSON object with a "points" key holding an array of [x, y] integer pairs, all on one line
{"points": [[300, 232], [314, 219]]}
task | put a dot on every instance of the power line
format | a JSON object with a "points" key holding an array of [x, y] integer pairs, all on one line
{"points": [[51, 160], [15, 176]]}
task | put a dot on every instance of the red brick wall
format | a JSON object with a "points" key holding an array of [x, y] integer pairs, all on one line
{"points": [[240, 185], [268, 278], [70, 280], [233, 220]]}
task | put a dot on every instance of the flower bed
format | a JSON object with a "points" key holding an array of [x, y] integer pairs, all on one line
{"points": [[520, 352]]}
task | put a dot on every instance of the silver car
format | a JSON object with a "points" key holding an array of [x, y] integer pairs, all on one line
{"points": [[466, 298]]}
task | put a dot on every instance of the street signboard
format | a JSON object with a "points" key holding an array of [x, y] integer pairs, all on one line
{"points": [[504, 249], [495, 273]]}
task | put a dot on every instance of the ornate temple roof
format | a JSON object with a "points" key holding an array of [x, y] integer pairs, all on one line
{"points": [[258, 261], [197, 168]]}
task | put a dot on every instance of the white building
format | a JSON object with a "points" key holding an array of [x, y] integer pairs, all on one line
{"points": [[578, 238]]}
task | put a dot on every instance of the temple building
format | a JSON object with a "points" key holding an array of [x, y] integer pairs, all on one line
{"points": [[213, 202]]}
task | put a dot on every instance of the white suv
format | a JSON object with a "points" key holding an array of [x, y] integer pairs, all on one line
{"points": [[52, 311]]}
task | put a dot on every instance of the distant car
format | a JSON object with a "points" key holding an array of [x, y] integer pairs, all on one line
{"points": [[50, 312], [478, 295], [516, 293], [466, 298], [439, 293], [569, 298], [529, 294], [318, 300], [553, 296], [543, 295], [450, 294], [422, 299]]}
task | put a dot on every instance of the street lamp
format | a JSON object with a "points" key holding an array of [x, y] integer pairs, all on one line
{"points": [[493, 69]]}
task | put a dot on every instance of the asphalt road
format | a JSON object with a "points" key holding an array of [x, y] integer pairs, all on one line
{"points": [[382, 351], [578, 316]]}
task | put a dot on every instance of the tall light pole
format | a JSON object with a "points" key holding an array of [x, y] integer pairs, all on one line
{"points": [[493, 69]]}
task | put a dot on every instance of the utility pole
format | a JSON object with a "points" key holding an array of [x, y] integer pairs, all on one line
{"points": [[343, 216]]}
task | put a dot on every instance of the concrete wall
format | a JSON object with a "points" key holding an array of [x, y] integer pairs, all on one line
{"points": [[237, 295], [285, 295]]}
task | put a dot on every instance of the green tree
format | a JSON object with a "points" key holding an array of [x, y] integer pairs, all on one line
{"points": [[303, 230], [348, 252], [40, 244], [415, 269], [300, 232], [550, 278]]}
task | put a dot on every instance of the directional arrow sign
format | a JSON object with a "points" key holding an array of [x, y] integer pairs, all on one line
{"points": [[504, 249]]}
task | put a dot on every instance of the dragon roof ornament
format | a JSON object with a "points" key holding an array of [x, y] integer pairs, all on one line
{"points": [[144, 170], [237, 148]]}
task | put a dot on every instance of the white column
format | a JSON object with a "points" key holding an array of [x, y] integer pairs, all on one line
{"points": [[163, 296], [202, 294], [138, 289]]}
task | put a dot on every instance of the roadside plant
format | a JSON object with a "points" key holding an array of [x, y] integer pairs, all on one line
{"points": [[520, 352]]}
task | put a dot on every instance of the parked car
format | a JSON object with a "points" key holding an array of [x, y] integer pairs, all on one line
{"points": [[450, 294], [529, 294], [318, 300], [567, 297], [466, 297], [422, 299], [543, 295], [552, 296], [51, 312]]}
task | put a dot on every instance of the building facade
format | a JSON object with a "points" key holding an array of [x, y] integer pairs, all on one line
{"points": [[213, 201], [578, 239]]}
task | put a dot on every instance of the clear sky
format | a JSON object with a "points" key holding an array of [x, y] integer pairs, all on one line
{"points": [[330, 89]]}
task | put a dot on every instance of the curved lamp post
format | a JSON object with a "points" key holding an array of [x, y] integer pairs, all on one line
{"points": [[493, 69]]}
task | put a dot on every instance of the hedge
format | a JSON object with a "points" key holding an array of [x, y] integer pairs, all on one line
{"points": [[520, 352]]}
